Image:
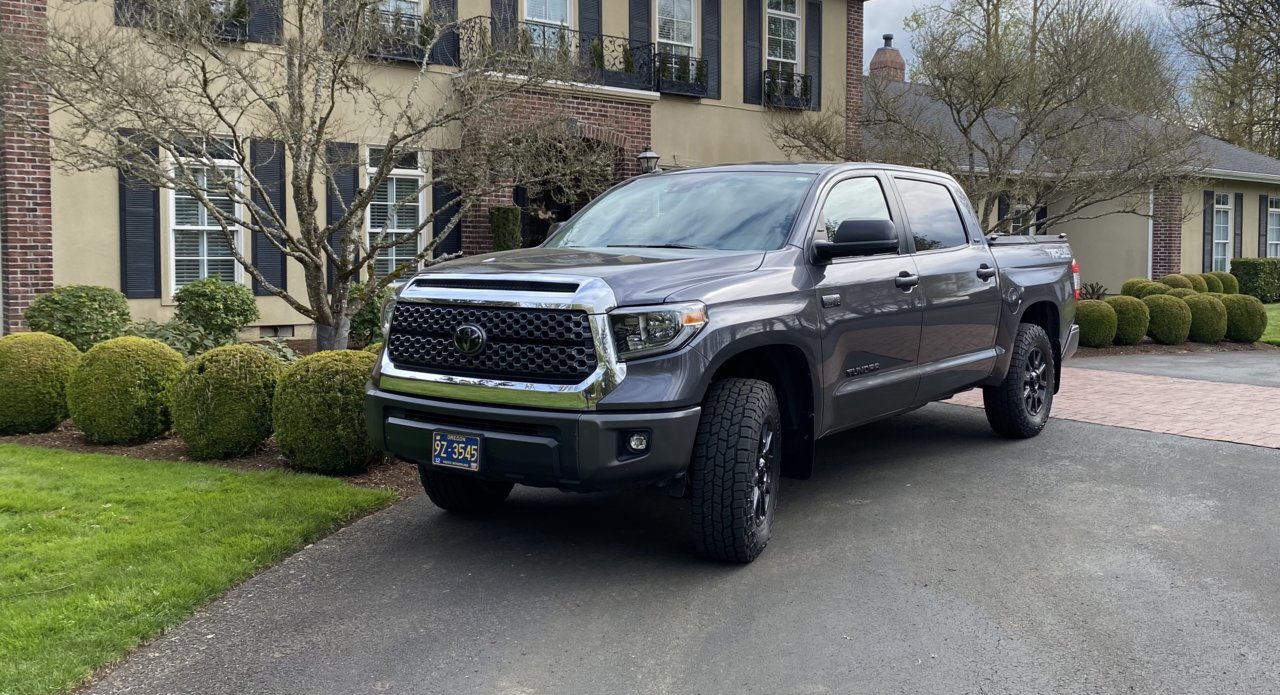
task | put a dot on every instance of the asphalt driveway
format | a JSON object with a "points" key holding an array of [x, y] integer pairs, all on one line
{"points": [[1260, 368], [925, 556]]}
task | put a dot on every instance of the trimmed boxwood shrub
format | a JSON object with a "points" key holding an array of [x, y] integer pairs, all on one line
{"points": [[1147, 289], [1170, 319], [375, 348], [85, 315], [1230, 285], [1246, 318], [1212, 282], [1097, 321], [220, 308], [1219, 295], [119, 394], [1132, 319], [1182, 292], [1131, 285], [1176, 281], [1198, 283], [221, 402], [1208, 319], [504, 222], [34, 370], [1259, 277], [319, 412]]}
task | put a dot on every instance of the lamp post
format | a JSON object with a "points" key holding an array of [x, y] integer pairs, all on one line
{"points": [[648, 160]]}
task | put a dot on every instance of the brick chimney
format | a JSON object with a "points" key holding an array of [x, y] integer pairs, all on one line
{"points": [[888, 63], [853, 79]]}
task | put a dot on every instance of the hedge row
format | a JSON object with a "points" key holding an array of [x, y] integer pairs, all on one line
{"points": [[1170, 316], [1259, 277]]}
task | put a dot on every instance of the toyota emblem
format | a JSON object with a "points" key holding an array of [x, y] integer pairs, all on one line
{"points": [[469, 338]]}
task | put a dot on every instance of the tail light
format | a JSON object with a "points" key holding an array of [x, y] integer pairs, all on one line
{"points": [[1075, 277]]}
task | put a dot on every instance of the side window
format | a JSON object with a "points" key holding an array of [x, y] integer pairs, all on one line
{"points": [[854, 199], [935, 222]]}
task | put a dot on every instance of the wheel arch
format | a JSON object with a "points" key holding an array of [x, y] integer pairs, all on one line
{"points": [[1046, 315]]}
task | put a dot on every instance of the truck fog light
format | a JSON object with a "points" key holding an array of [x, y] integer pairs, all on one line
{"points": [[638, 442]]}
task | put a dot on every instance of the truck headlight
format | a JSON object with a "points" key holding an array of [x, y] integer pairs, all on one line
{"points": [[388, 308], [647, 330]]}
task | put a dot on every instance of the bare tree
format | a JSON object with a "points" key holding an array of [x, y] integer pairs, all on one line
{"points": [[177, 101], [1045, 104]]}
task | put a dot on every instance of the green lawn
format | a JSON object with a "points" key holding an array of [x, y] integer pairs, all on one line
{"points": [[1273, 325], [99, 553]]}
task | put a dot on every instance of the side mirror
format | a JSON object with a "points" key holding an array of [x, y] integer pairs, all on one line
{"points": [[859, 238]]}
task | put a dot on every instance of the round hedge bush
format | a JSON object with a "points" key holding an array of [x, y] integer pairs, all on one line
{"points": [[219, 308], [1212, 282], [85, 315], [1170, 319], [1147, 289], [1246, 318], [1182, 292], [221, 403], [34, 370], [1208, 319], [1131, 285], [1132, 319], [1198, 283], [1097, 321], [120, 392], [1230, 285], [319, 412], [1176, 281]]}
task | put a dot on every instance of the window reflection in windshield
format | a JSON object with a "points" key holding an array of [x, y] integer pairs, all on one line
{"points": [[731, 211]]}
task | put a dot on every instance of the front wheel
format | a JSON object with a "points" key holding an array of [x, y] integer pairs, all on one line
{"points": [[736, 469], [460, 493], [1018, 407]]}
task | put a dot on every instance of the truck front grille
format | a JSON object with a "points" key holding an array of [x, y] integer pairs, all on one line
{"points": [[551, 346]]}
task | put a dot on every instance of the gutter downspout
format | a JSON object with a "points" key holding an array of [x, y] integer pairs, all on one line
{"points": [[1151, 228]]}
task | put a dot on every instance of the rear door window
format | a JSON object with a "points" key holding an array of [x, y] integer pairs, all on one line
{"points": [[931, 212]]}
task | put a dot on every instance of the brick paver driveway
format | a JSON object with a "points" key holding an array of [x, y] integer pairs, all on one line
{"points": [[1190, 407]]}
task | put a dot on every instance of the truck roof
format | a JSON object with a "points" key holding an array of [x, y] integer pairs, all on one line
{"points": [[805, 167]]}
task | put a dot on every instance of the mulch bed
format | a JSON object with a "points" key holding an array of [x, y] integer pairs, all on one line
{"points": [[1149, 347], [393, 474]]}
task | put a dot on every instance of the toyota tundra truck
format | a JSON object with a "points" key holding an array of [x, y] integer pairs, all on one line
{"points": [[699, 330]]}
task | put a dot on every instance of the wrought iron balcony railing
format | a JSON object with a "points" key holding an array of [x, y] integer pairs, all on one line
{"points": [[679, 74], [400, 36], [596, 59], [787, 90]]}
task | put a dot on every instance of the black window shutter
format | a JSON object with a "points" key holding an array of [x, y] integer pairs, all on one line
{"points": [[139, 235], [267, 161], [266, 20], [445, 49], [346, 178], [1263, 201], [813, 51], [1002, 207], [1207, 263], [752, 53], [639, 25], [1238, 246], [589, 22], [445, 203], [711, 45], [129, 12], [1042, 214], [503, 13]]}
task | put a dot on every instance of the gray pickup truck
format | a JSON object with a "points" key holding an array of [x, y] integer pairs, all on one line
{"points": [[699, 330]]}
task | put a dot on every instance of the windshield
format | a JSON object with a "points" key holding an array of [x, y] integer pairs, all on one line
{"points": [[729, 211]]}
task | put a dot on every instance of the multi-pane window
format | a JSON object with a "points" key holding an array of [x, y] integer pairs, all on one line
{"points": [[401, 16], [397, 210], [675, 27], [200, 247], [1221, 231], [546, 18], [1273, 228], [783, 36]]}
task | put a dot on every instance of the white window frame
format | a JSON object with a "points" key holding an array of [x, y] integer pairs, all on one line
{"points": [[566, 24], [693, 29], [1219, 206], [1273, 227], [174, 227], [787, 16], [397, 172], [393, 12]]}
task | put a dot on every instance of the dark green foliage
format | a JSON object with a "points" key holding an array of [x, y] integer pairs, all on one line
{"points": [[375, 348], [1219, 295], [1208, 319], [186, 338], [1149, 288], [119, 394], [34, 369], [1130, 286], [1132, 319], [1176, 281], [1182, 292], [366, 324], [1246, 318], [85, 315], [319, 413], [278, 349], [1259, 277], [1230, 284], [1198, 283], [221, 403], [1097, 321], [1093, 290], [504, 222], [1212, 282], [1170, 319], [220, 308]]}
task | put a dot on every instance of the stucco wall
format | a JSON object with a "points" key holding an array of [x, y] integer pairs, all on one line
{"points": [[1193, 225], [1111, 248]]}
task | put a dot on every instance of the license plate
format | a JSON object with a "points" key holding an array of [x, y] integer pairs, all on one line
{"points": [[454, 450]]}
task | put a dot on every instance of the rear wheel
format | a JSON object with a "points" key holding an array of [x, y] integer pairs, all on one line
{"points": [[1019, 407], [460, 493], [736, 469]]}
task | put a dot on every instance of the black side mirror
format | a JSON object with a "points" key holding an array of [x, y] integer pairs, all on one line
{"points": [[859, 238]]}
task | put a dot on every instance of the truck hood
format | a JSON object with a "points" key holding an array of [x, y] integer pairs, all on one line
{"points": [[636, 276]]}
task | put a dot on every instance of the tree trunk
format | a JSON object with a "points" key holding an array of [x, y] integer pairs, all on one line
{"points": [[333, 337]]}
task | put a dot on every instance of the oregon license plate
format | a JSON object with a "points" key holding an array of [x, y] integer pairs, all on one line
{"points": [[454, 450]]}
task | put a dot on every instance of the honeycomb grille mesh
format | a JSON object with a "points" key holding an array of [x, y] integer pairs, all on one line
{"points": [[535, 345]]}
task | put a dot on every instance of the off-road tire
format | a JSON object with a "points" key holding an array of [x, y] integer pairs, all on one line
{"points": [[733, 508], [1011, 405], [460, 493]]}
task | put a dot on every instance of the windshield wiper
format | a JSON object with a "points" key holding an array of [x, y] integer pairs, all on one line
{"points": [[653, 246]]}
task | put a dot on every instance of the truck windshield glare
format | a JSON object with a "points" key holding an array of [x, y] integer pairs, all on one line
{"points": [[726, 211]]}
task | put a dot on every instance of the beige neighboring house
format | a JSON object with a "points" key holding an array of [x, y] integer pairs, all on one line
{"points": [[747, 56]]}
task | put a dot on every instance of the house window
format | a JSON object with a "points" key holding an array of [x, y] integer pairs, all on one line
{"points": [[1221, 231], [675, 28], [546, 19], [396, 209], [783, 39], [401, 16], [199, 246], [1022, 219], [1273, 228]]}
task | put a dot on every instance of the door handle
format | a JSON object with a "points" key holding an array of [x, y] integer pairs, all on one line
{"points": [[905, 281], [986, 272]]}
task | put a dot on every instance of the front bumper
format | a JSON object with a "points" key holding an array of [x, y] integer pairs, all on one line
{"points": [[582, 451]]}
